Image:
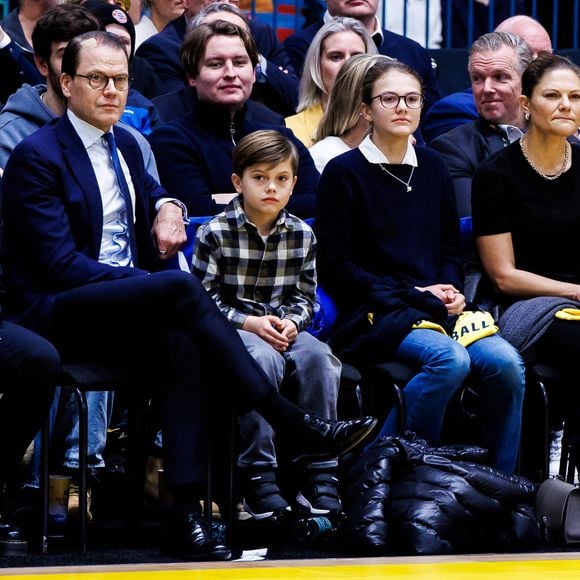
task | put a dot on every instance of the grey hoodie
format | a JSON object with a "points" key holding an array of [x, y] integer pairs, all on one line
{"points": [[25, 112]]}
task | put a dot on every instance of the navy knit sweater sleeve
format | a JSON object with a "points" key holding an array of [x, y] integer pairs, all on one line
{"points": [[372, 232]]}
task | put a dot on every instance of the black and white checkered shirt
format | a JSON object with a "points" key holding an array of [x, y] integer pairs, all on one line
{"points": [[246, 275]]}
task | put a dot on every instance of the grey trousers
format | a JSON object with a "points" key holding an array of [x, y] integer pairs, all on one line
{"points": [[317, 373]]}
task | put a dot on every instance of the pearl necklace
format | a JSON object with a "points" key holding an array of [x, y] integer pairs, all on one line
{"points": [[405, 183], [548, 177]]}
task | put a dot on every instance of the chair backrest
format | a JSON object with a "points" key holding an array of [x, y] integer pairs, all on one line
{"points": [[325, 311], [325, 316]]}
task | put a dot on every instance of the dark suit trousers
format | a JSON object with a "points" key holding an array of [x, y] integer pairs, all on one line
{"points": [[167, 324], [29, 370]]}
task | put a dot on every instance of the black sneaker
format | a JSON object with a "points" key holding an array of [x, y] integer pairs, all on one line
{"points": [[262, 498], [325, 439], [319, 492]]}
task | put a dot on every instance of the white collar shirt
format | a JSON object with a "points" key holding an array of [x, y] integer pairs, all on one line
{"points": [[115, 249], [374, 155]]}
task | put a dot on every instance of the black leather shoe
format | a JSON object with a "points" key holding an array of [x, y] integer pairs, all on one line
{"points": [[188, 536], [327, 439], [12, 541]]}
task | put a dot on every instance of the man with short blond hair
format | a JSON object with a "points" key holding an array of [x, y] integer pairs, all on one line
{"points": [[496, 63], [458, 108]]}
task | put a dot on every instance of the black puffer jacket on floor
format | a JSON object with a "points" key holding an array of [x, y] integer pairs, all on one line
{"points": [[405, 497], [367, 490]]}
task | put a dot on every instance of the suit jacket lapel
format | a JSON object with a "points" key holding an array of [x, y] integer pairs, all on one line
{"points": [[77, 159], [492, 138]]}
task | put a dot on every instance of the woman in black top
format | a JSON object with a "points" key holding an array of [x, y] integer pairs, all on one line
{"points": [[526, 213]]}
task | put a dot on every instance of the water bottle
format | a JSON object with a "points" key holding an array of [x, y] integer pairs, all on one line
{"points": [[308, 530]]}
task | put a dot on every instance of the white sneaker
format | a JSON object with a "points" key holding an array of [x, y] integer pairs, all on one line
{"points": [[555, 452]]}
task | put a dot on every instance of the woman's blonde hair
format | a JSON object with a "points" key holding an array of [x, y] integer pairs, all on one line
{"points": [[344, 104], [311, 85]]}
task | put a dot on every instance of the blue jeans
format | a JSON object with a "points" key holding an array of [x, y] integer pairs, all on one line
{"points": [[64, 423], [33, 472], [499, 378], [100, 408]]}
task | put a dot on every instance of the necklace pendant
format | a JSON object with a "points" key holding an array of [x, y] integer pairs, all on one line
{"points": [[409, 188]]}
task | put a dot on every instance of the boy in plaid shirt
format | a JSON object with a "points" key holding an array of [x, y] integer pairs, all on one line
{"points": [[257, 262]]}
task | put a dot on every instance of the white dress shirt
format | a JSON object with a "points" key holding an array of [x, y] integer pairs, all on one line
{"points": [[115, 248]]}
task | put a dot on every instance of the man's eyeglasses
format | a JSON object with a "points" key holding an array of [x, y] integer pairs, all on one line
{"points": [[99, 82], [392, 100]]}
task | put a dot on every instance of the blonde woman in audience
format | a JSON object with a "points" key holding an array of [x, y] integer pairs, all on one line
{"points": [[343, 125], [334, 44]]}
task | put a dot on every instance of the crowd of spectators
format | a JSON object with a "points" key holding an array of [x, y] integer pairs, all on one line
{"points": [[118, 124]]}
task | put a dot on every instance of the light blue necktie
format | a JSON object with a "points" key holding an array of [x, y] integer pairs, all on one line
{"points": [[124, 188]]}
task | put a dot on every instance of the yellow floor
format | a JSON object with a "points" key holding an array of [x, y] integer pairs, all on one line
{"points": [[536, 567]]}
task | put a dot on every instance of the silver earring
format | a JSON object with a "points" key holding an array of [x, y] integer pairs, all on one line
{"points": [[527, 116]]}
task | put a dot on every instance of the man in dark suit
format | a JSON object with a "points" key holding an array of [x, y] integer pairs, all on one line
{"points": [[79, 252], [496, 64], [457, 108], [277, 86], [388, 43]]}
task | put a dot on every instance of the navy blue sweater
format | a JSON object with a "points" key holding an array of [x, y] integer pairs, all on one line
{"points": [[194, 157], [372, 233]]}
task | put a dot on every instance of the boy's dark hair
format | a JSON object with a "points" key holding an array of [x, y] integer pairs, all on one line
{"points": [[61, 24], [71, 56], [265, 146]]}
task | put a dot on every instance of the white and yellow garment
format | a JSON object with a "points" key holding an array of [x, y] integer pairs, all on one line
{"points": [[471, 325]]}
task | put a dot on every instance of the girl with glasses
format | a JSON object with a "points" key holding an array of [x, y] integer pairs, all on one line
{"points": [[390, 256]]}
